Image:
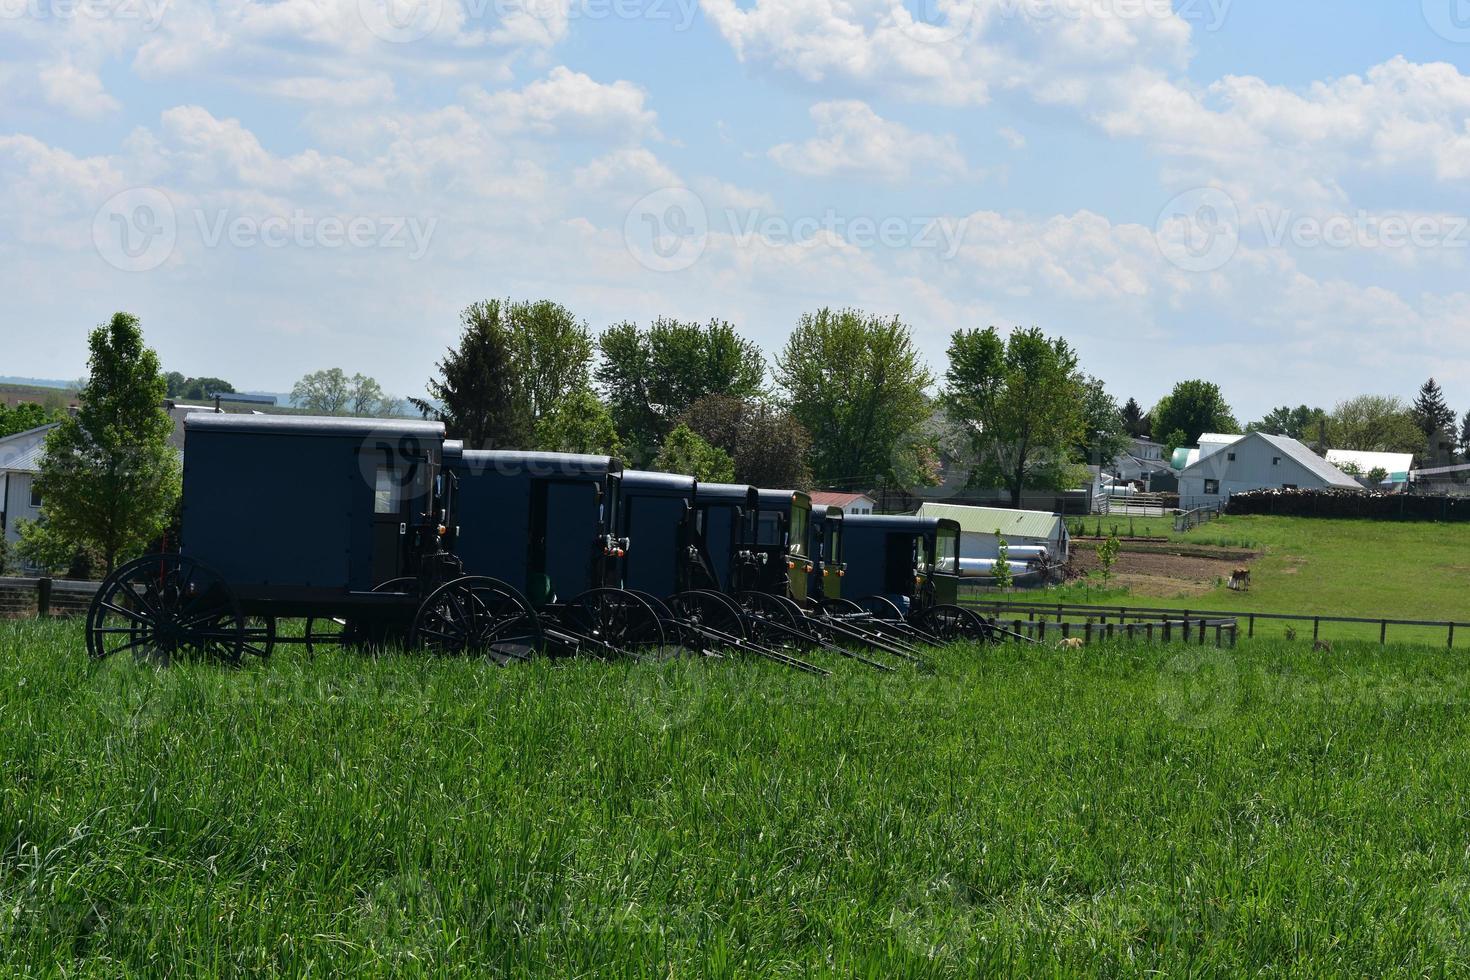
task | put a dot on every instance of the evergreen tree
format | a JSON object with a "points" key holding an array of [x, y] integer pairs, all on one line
{"points": [[478, 392], [1432, 415]]}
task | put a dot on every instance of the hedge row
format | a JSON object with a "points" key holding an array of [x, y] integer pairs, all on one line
{"points": [[1348, 503]]}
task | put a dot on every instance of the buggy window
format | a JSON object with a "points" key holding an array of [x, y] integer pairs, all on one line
{"points": [[387, 492], [799, 517], [948, 546], [768, 528]]}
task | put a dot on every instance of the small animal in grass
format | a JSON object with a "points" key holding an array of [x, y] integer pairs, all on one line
{"points": [[1322, 646], [1240, 580], [1072, 643]]}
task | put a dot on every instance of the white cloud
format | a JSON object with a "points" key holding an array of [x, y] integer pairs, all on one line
{"points": [[853, 140]]}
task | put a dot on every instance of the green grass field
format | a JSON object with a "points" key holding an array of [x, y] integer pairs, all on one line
{"points": [[1019, 811], [1371, 569]]}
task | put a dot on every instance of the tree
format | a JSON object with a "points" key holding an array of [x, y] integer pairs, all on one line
{"points": [[1020, 399], [1431, 413], [1107, 556], [194, 389], [1377, 475], [684, 452], [857, 385], [1135, 422], [552, 351], [1105, 434], [1302, 423], [174, 383], [578, 423], [651, 377], [365, 396], [769, 446], [1374, 423], [1002, 574], [24, 417], [326, 392], [1465, 437], [109, 479], [1190, 410], [478, 394]]}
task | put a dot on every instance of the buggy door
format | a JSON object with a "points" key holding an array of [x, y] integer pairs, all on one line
{"points": [[566, 525], [400, 485]]}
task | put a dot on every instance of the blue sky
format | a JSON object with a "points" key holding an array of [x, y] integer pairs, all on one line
{"points": [[1273, 196]]}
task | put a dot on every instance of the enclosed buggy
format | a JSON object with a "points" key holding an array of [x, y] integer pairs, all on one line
{"points": [[339, 521]]}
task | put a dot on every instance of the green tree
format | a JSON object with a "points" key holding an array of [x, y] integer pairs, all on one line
{"points": [[24, 417], [326, 392], [1135, 422], [1107, 556], [1374, 423], [1302, 423], [684, 452], [1105, 434], [1465, 437], [203, 389], [1002, 574], [578, 423], [1192, 409], [365, 396], [478, 393], [651, 377], [856, 383], [552, 351], [1431, 413], [1021, 400], [1376, 475], [769, 446], [109, 479]]}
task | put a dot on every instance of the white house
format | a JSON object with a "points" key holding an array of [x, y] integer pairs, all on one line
{"points": [[1254, 462], [1142, 461], [850, 503], [1022, 529], [20, 461]]}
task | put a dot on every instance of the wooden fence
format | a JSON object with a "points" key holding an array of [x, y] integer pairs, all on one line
{"points": [[21, 597]]}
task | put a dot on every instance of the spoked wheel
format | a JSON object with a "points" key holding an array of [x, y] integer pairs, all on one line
{"points": [[325, 633], [616, 621], [842, 607], [477, 616], [881, 607], [164, 608], [774, 620], [952, 624], [713, 620]]}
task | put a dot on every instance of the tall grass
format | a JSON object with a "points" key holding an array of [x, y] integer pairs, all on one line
{"points": [[1018, 810]]}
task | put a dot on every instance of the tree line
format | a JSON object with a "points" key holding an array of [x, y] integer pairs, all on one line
{"points": [[847, 404]]}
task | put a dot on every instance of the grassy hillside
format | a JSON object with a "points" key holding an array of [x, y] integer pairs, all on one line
{"points": [[1018, 811], [1329, 567]]}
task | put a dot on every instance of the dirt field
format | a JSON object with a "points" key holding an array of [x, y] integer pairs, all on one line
{"points": [[1166, 573]]}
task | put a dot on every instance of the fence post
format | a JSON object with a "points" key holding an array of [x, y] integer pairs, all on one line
{"points": [[1252, 631], [1383, 633], [1066, 631], [43, 597], [1088, 632], [1316, 628], [1452, 636]]}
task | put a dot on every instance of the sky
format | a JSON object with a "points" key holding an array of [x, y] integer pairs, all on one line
{"points": [[1272, 196]]}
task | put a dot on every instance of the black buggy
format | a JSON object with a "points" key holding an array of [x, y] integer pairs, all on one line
{"points": [[339, 522]]}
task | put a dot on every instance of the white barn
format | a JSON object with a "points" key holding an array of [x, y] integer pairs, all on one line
{"points": [[1255, 462], [20, 460]]}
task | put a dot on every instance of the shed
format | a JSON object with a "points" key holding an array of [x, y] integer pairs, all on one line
{"points": [[1020, 528]]}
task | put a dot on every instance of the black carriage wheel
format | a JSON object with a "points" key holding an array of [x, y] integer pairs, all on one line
{"points": [[479, 617], [324, 632], [709, 621], [618, 621], [163, 608], [842, 607], [952, 624], [260, 636], [881, 607], [774, 619]]}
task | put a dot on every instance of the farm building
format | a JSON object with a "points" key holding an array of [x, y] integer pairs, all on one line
{"points": [[1255, 462], [850, 503], [1021, 529], [20, 460], [1360, 464]]}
